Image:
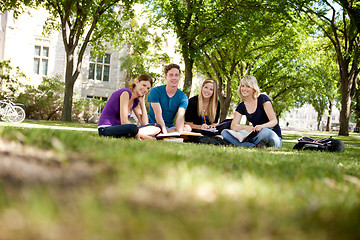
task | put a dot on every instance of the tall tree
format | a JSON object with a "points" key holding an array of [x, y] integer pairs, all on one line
{"points": [[145, 48], [196, 24], [357, 109], [82, 23], [249, 49], [342, 29], [321, 70]]}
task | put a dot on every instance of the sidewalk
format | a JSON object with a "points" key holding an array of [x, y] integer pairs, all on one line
{"points": [[31, 125]]}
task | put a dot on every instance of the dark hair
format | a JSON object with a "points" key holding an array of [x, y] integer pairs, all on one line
{"points": [[144, 77], [171, 66]]}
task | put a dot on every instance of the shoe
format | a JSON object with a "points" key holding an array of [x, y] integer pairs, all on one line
{"points": [[219, 136], [261, 144]]}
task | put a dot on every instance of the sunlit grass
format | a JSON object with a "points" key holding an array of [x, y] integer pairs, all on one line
{"points": [[163, 190]]}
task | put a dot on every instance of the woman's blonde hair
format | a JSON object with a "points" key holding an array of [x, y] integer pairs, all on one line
{"points": [[251, 82], [213, 102]]}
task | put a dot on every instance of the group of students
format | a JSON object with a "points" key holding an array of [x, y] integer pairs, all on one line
{"points": [[170, 110]]}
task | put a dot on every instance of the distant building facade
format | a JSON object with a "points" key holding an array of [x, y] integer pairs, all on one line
{"points": [[305, 118]]}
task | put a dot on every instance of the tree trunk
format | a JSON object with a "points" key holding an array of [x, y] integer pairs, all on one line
{"points": [[357, 127], [357, 111], [318, 122], [224, 108], [225, 100], [347, 94], [328, 123], [127, 79], [345, 113], [189, 63], [69, 89]]}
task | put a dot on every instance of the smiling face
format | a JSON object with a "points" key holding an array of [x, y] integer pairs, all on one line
{"points": [[248, 87], [207, 90], [246, 90], [173, 77], [142, 87]]}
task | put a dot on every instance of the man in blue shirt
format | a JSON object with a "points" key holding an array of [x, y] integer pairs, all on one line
{"points": [[167, 101]]}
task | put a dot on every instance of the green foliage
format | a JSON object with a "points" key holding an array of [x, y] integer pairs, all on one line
{"points": [[43, 102], [98, 23], [339, 22], [197, 24], [17, 6], [87, 110], [10, 80], [161, 190], [259, 46], [145, 48], [323, 72]]}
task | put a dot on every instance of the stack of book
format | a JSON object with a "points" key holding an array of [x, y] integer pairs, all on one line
{"points": [[179, 136]]}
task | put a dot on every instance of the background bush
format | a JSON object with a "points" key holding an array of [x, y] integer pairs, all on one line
{"points": [[10, 80], [45, 102]]}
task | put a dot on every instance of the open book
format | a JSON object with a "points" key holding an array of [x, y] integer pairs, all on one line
{"points": [[242, 135], [178, 134]]}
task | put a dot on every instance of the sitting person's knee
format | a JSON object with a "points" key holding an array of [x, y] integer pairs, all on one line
{"points": [[133, 130]]}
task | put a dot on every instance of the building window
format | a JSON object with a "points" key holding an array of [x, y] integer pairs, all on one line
{"points": [[41, 60], [99, 69]]}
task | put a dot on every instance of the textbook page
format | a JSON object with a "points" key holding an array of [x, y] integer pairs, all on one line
{"points": [[242, 135]]}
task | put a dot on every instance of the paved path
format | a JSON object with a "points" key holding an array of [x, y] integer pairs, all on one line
{"points": [[31, 125]]}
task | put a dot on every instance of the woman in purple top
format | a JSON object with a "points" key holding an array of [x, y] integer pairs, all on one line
{"points": [[259, 111], [114, 119]]}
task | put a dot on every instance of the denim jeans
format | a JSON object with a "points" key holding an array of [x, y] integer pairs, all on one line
{"points": [[266, 135], [118, 131]]}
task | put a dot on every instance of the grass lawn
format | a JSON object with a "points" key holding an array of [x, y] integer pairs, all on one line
{"points": [[62, 184]]}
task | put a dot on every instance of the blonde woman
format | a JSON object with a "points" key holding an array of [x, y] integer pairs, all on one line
{"points": [[259, 111], [204, 109]]}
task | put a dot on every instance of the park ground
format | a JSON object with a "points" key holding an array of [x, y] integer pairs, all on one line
{"points": [[62, 181]]}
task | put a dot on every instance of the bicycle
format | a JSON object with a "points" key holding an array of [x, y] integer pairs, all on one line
{"points": [[11, 112]]}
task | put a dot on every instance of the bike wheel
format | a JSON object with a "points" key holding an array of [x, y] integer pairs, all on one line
{"points": [[16, 114]]}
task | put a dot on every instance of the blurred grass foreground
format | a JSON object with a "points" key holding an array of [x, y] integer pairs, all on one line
{"points": [[63, 184]]}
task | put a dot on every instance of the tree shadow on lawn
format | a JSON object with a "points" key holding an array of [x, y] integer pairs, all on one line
{"points": [[21, 164]]}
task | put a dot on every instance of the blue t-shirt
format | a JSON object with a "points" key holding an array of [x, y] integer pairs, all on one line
{"points": [[259, 116], [169, 106], [110, 115]]}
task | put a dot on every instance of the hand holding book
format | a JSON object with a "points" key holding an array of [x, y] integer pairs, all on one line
{"points": [[243, 135]]}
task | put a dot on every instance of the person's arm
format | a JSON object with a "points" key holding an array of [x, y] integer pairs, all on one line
{"points": [[271, 116], [158, 116], [195, 126], [235, 123], [180, 119], [124, 110], [215, 123], [140, 112]]}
